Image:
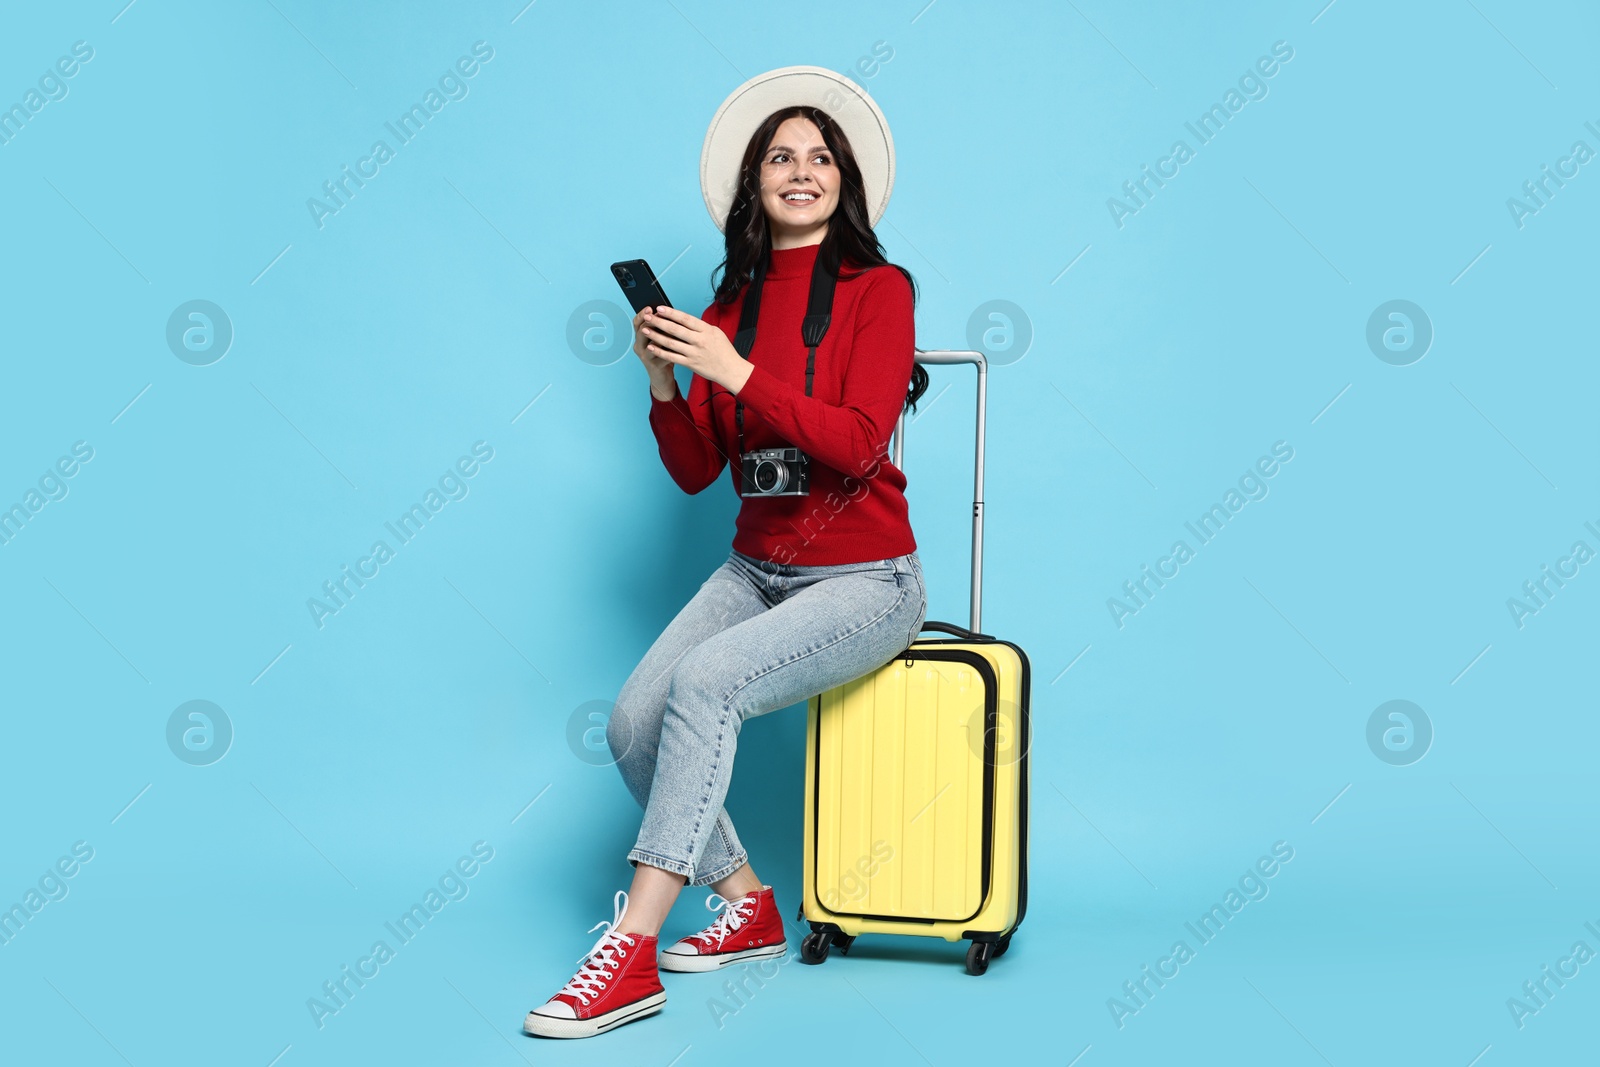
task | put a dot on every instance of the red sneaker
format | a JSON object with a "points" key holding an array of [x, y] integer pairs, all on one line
{"points": [[617, 984], [748, 928]]}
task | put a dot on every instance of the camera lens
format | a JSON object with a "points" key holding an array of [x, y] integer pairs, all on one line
{"points": [[769, 476]]}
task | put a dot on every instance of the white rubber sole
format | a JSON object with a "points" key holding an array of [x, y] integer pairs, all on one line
{"points": [[546, 1026], [672, 961]]}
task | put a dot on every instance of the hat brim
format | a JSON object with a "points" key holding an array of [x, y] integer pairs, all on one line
{"points": [[747, 106]]}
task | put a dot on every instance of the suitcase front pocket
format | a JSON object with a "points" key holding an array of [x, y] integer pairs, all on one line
{"points": [[904, 797]]}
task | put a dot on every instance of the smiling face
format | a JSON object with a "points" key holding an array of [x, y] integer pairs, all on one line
{"points": [[799, 184]]}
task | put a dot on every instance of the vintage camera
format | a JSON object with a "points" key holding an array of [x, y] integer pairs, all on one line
{"points": [[775, 472]]}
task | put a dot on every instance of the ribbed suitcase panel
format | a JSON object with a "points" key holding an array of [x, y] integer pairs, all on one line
{"points": [[900, 803]]}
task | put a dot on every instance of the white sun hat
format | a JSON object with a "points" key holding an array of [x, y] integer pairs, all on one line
{"points": [[747, 106]]}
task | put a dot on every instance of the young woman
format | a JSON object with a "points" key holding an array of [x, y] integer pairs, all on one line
{"points": [[820, 588]]}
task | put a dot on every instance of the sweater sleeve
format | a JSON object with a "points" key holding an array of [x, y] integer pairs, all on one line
{"points": [[687, 436], [850, 436]]}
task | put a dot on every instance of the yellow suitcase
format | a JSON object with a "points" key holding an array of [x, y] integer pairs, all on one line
{"points": [[916, 804]]}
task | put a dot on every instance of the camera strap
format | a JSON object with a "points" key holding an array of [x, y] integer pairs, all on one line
{"points": [[819, 313]]}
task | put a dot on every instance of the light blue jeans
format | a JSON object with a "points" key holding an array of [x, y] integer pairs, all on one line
{"points": [[757, 637]]}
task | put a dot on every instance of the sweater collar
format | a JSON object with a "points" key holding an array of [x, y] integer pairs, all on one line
{"points": [[793, 262]]}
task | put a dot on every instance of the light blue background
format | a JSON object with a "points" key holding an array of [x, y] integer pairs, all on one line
{"points": [[427, 314]]}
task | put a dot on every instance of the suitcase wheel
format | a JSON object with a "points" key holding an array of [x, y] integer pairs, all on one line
{"points": [[1005, 943], [814, 946], [979, 953]]}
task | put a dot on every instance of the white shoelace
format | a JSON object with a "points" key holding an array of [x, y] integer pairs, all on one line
{"points": [[600, 963], [733, 916]]}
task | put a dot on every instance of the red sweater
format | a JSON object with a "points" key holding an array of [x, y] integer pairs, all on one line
{"points": [[856, 510]]}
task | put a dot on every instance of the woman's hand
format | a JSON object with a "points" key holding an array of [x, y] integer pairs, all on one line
{"points": [[679, 338], [660, 370]]}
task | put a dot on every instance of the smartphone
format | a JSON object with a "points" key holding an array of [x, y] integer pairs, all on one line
{"points": [[639, 284]]}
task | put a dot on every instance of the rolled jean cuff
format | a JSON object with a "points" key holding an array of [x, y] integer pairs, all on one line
{"points": [[637, 856], [718, 875]]}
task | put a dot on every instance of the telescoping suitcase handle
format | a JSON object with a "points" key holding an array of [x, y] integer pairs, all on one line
{"points": [[977, 359]]}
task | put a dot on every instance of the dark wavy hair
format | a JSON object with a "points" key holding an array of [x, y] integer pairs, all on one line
{"points": [[748, 237]]}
